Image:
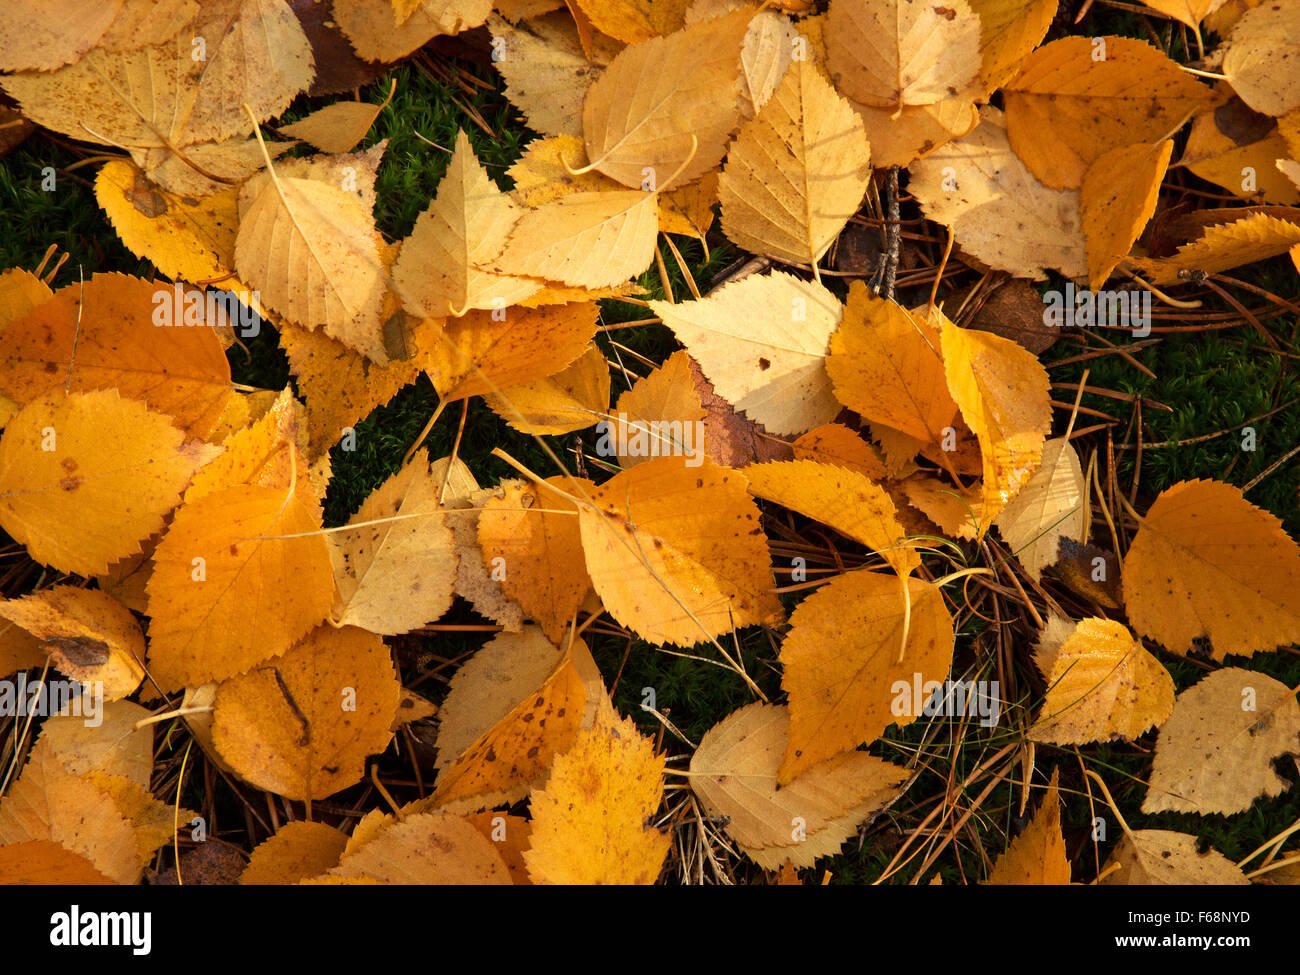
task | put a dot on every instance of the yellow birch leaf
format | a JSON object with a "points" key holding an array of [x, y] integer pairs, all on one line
{"points": [[733, 772], [998, 210], [485, 352], [837, 445], [546, 72], [842, 668], [657, 416], [1102, 685], [47, 863], [90, 636], [265, 453], [590, 822], [1190, 12], [223, 554], [183, 237], [762, 343], [393, 576], [1048, 508], [587, 239], [337, 127], [676, 552], [1069, 106], [341, 386], [892, 53], [1119, 195], [496, 678], [85, 478], [153, 823], [796, 172], [114, 746], [540, 177], [302, 725], [378, 34], [510, 835], [1207, 565], [162, 100], [632, 21], [48, 802], [959, 513], [1260, 59], [476, 580], [536, 533], [44, 36], [298, 850], [1215, 754], [1226, 145], [1220, 248], [428, 849], [105, 336], [1009, 32], [1150, 857], [668, 105], [887, 366], [1002, 391], [311, 250], [1037, 857], [439, 271], [20, 293], [19, 650], [574, 398], [846, 500], [515, 754], [765, 58], [899, 139]]}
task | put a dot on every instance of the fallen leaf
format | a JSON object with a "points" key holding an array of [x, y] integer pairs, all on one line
{"points": [[1073, 101], [892, 53], [796, 173], [574, 398], [106, 335], [1163, 857], [687, 105], [1037, 857], [530, 537], [762, 343], [997, 208], [1047, 508], [847, 501], [396, 570], [302, 725], [240, 547], [298, 850], [1102, 685], [1118, 197], [89, 635], [1002, 391], [1206, 564], [846, 667], [591, 821], [734, 774], [86, 477], [1262, 43], [676, 552], [441, 268], [1215, 753]]}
